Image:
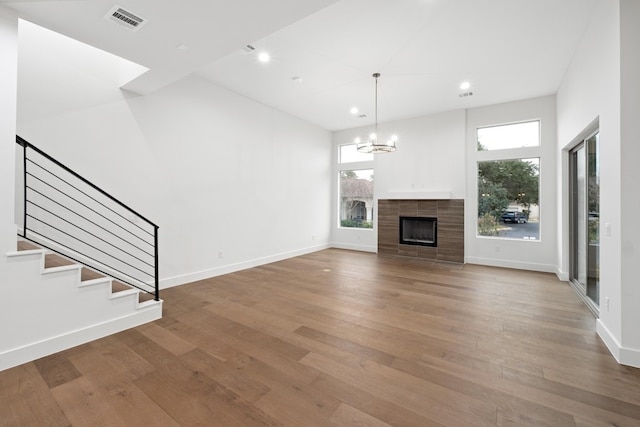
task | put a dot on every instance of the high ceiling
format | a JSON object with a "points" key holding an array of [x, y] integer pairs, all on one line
{"points": [[323, 52]]}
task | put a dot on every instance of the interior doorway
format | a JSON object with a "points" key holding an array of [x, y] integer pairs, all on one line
{"points": [[584, 219]]}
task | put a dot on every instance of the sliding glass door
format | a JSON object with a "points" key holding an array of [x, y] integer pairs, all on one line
{"points": [[585, 220]]}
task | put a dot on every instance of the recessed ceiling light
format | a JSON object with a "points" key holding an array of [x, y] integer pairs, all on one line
{"points": [[465, 85], [354, 110], [264, 57]]}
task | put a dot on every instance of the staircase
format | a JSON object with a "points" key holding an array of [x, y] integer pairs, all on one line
{"points": [[86, 265], [57, 304]]}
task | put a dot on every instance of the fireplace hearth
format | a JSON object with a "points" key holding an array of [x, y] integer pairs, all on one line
{"points": [[421, 231]]}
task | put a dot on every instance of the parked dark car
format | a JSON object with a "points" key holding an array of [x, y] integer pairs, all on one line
{"points": [[514, 216]]}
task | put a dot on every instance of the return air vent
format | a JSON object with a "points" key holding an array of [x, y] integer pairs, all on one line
{"points": [[125, 18]]}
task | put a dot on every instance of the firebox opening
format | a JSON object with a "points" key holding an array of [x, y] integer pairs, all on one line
{"points": [[418, 231]]}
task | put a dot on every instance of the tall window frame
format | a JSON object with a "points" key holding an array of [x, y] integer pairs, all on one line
{"points": [[508, 183], [355, 188]]}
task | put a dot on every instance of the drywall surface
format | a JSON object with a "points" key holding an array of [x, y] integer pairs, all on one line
{"points": [[429, 162], [590, 91], [231, 182], [539, 255]]}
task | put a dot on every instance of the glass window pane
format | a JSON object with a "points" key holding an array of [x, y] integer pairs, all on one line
{"points": [[515, 135], [350, 154], [508, 199], [356, 198]]}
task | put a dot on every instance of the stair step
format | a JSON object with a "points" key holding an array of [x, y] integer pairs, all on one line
{"points": [[23, 245], [61, 268], [96, 281], [122, 294], [54, 263], [147, 304], [27, 252]]}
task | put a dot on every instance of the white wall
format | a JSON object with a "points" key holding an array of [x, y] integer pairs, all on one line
{"points": [[437, 154], [630, 177], [231, 183], [539, 255], [430, 158], [8, 71], [590, 90]]}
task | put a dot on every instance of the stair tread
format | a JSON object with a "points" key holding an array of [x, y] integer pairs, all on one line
{"points": [[96, 281], [150, 303], [27, 252], [23, 245], [122, 294], [61, 268]]}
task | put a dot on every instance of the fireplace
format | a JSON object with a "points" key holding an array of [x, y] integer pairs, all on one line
{"points": [[448, 233], [421, 231]]}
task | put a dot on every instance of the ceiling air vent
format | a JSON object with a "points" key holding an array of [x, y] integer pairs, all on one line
{"points": [[125, 18], [248, 49]]}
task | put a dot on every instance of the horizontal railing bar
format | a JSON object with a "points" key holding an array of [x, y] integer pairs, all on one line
{"points": [[82, 192], [91, 246], [23, 142], [82, 204], [89, 233], [86, 219], [80, 262]]}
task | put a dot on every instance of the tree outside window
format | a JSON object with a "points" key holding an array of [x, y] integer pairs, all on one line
{"points": [[508, 198]]}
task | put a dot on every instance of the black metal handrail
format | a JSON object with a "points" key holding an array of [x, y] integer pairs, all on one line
{"points": [[65, 213]]}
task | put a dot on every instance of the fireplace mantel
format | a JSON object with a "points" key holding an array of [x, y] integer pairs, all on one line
{"points": [[417, 195]]}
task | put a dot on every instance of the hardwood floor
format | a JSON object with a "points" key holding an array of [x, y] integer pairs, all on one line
{"points": [[341, 338]]}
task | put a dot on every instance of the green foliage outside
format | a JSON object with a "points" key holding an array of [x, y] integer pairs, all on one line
{"points": [[488, 225], [502, 182], [355, 224]]}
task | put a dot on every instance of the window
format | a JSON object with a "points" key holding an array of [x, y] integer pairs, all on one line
{"points": [[350, 154], [355, 181], [516, 135], [356, 198], [509, 188]]}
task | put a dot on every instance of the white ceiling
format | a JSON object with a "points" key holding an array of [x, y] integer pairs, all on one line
{"points": [[424, 49]]}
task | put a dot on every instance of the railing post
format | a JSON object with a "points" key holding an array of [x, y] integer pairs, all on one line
{"points": [[157, 278], [24, 185]]}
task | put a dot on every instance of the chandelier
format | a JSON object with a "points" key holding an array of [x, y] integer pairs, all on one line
{"points": [[373, 144]]}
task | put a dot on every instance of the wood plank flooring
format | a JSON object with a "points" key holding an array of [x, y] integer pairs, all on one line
{"points": [[341, 338]]}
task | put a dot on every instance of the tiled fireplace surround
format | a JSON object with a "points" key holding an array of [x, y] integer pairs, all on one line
{"points": [[450, 215]]}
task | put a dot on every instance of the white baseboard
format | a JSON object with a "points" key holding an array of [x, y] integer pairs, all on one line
{"points": [[36, 350], [361, 248], [170, 282], [624, 356], [545, 268], [562, 275]]}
